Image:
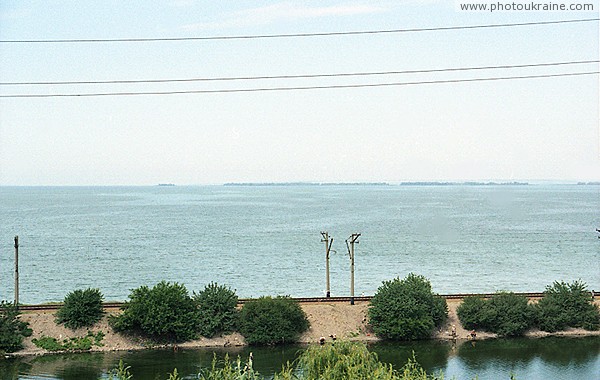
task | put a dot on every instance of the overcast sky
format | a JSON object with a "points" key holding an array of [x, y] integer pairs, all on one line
{"points": [[524, 129]]}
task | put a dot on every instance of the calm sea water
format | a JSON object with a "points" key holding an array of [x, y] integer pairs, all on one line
{"points": [[264, 240]]}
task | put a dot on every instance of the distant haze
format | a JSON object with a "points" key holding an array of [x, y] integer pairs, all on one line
{"points": [[503, 130]]}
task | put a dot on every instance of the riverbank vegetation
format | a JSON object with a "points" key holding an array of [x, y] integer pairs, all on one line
{"points": [[564, 305], [167, 313], [567, 305], [406, 309], [12, 330], [217, 308], [402, 309], [164, 313], [81, 308], [269, 320], [506, 314], [84, 343], [340, 360]]}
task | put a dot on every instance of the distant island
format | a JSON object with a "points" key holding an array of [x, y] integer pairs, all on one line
{"points": [[306, 184], [588, 183], [166, 184], [464, 183], [417, 183]]}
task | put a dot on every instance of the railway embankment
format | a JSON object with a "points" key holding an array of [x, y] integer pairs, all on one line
{"points": [[327, 317]]}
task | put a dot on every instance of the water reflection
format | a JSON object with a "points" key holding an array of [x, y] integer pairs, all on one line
{"points": [[539, 358], [545, 358], [432, 355]]}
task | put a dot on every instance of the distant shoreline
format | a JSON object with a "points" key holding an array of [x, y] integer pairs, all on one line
{"points": [[411, 183], [317, 184], [306, 184]]}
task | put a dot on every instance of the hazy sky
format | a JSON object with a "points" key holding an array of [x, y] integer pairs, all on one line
{"points": [[525, 129]]}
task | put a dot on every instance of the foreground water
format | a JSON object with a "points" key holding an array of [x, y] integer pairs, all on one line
{"points": [[266, 239], [532, 359]]}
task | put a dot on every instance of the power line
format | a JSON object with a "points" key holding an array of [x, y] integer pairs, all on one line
{"points": [[295, 35], [299, 76], [294, 88]]}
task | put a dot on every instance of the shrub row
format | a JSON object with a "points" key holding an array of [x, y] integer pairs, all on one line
{"points": [[507, 314], [167, 312], [404, 309]]}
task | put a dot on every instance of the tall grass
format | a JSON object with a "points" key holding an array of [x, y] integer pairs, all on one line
{"points": [[348, 360], [338, 361], [230, 370]]}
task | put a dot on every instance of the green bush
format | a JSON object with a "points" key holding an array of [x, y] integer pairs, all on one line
{"points": [[217, 308], [567, 305], [12, 330], [505, 313], [508, 314], [164, 313], [406, 309], [270, 320], [81, 308], [471, 312]]}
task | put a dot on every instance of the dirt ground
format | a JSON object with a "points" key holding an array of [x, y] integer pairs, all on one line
{"points": [[346, 321]]}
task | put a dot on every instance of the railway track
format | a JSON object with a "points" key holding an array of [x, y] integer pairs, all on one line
{"points": [[459, 296]]}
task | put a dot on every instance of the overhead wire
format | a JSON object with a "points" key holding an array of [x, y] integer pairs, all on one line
{"points": [[290, 88], [294, 35], [387, 84], [299, 76]]}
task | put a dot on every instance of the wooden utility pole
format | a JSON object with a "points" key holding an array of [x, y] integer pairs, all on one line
{"points": [[328, 242], [16, 271], [353, 239]]}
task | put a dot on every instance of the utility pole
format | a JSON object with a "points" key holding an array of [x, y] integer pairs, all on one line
{"points": [[16, 271], [328, 242], [353, 239]]}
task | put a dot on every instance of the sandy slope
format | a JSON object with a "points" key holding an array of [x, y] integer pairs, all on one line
{"points": [[326, 318]]}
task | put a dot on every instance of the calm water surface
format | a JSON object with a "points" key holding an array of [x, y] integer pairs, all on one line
{"points": [[532, 359], [266, 240]]}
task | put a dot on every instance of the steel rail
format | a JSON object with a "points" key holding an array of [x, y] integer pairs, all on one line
{"points": [[241, 301]]}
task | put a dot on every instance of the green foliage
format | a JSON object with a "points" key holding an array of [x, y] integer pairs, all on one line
{"points": [[228, 370], [217, 307], [12, 330], [347, 360], [121, 372], [508, 314], [270, 320], [567, 305], [164, 313], [339, 361], [471, 312], [174, 375], [81, 308], [505, 313], [406, 309], [72, 344]]}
